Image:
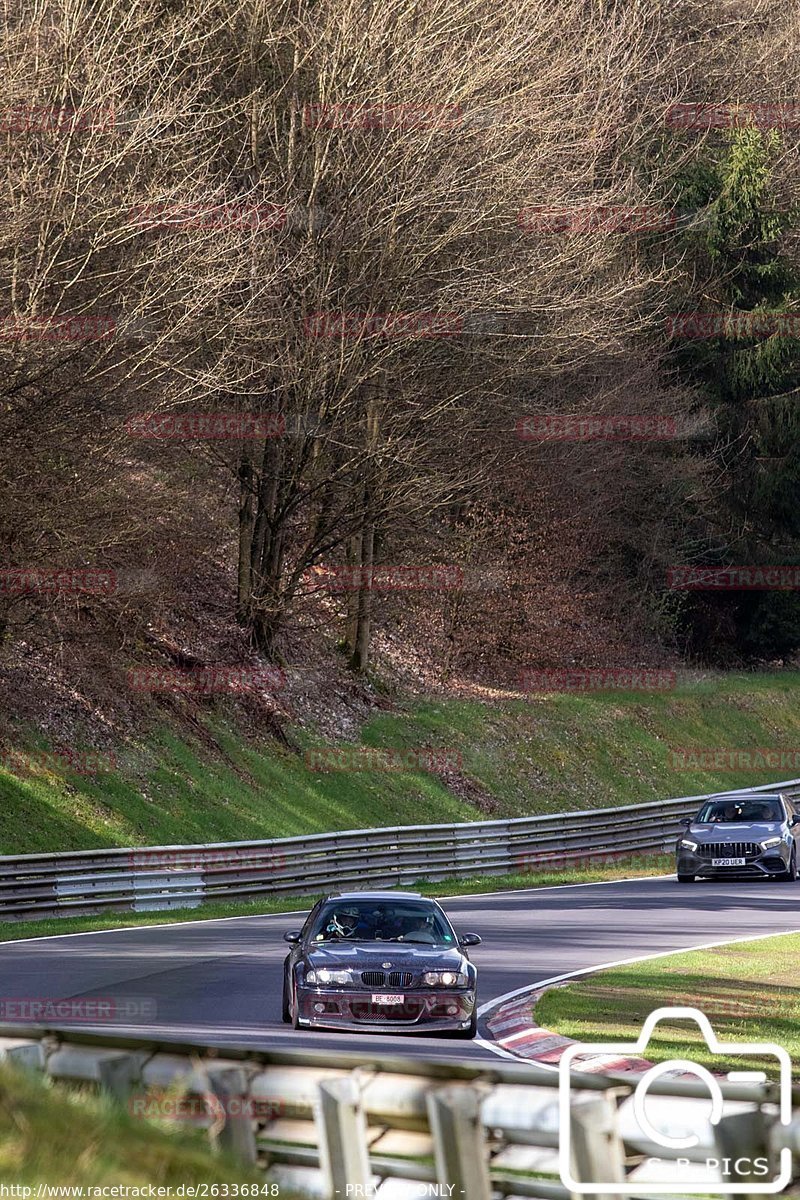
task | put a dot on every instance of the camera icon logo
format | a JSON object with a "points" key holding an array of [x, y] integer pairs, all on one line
{"points": [[740, 1175]]}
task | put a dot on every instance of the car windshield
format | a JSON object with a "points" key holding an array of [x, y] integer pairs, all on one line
{"points": [[382, 921], [728, 811]]}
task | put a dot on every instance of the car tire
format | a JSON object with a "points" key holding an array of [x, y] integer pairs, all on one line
{"points": [[470, 1033], [286, 1012], [791, 874], [685, 878], [294, 1011]]}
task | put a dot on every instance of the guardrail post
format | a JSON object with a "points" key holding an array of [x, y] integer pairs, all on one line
{"points": [[597, 1153], [342, 1131], [28, 1056], [459, 1143], [117, 1075], [742, 1138], [232, 1125]]}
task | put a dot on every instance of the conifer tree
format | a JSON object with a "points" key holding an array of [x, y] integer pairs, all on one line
{"points": [[749, 377]]}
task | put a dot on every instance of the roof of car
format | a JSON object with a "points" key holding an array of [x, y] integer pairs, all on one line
{"points": [[745, 795], [376, 896]]}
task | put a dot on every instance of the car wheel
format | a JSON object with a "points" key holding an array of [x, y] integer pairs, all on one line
{"points": [[286, 1012], [685, 878], [295, 1009], [791, 874], [470, 1032]]}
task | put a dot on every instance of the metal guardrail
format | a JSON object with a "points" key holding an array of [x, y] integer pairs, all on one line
{"points": [[155, 878], [339, 1125]]}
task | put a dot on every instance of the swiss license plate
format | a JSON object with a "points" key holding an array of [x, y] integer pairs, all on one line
{"points": [[728, 862], [386, 998]]}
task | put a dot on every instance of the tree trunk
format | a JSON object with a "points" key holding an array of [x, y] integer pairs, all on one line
{"points": [[354, 547], [247, 501], [360, 657], [269, 479], [267, 599]]}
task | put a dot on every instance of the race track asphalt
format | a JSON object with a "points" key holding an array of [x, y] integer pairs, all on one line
{"points": [[219, 982]]}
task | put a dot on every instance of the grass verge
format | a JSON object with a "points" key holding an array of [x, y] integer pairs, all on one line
{"points": [[51, 1134], [547, 753], [750, 991], [15, 930]]}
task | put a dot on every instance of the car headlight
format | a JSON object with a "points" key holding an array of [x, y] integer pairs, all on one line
{"points": [[688, 843], [445, 978], [770, 842], [325, 975]]}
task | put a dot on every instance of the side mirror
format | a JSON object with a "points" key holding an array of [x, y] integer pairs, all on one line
{"points": [[795, 820], [293, 937], [469, 939], [685, 822]]}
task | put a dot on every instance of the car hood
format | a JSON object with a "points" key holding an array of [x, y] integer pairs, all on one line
{"points": [[371, 956], [740, 831]]}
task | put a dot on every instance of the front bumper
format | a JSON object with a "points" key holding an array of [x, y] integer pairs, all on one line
{"points": [[430, 1009], [768, 864]]}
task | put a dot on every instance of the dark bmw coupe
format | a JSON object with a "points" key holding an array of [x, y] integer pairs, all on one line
{"points": [[387, 961], [741, 836]]}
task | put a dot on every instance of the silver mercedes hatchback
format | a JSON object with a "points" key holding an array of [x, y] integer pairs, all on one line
{"points": [[741, 835]]}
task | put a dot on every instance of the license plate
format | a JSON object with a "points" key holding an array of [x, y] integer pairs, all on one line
{"points": [[728, 862], [385, 998]]}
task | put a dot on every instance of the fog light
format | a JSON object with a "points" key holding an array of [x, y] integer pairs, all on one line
{"points": [[452, 1009], [319, 1008]]}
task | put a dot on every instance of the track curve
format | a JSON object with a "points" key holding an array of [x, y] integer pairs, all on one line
{"points": [[219, 982]]}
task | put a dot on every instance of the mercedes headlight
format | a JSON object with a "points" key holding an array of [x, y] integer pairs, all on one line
{"points": [[688, 843], [770, 842], [325, 975], [445, 978]]}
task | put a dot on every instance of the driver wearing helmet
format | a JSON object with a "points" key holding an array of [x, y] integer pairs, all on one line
{"points": [[342, 923]]}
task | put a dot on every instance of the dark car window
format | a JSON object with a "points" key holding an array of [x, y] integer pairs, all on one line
{"points": [[382, 921], [728, 811], [310, 919]]}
